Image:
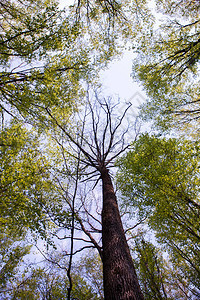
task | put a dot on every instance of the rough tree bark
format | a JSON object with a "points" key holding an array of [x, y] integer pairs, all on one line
{"points": [[119, 276]]}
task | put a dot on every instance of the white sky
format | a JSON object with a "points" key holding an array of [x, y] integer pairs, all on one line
{"points": [[117, 80]]}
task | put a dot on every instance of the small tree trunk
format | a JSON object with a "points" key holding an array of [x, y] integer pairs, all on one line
{"points": [[119, 276]]}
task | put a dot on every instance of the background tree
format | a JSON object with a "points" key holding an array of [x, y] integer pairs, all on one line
{"points": [[89, 266], [161, 179], [12, 252], [150, 272], [29, 198], [159, 279], [49, 283], [24, 180]]}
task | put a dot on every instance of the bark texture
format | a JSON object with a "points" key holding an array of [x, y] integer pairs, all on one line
{"points": [[119, 276]]}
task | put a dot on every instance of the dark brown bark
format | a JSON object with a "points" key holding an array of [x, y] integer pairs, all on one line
{"points": [[119, 276]]}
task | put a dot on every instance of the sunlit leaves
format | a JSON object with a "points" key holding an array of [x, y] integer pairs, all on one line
{"points": [[24, 180], [29, 29]]}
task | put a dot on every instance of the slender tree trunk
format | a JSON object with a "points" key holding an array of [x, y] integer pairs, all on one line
{"points": [[119, 276]]}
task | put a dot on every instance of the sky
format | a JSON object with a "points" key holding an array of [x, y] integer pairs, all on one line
{"points": [[117, 80]]}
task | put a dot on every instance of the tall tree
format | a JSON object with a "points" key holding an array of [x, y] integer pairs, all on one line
{"points": [[99, 148], [45, 56]]}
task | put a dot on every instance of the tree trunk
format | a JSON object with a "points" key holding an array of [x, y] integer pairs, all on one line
{"points": [[119, 276]]}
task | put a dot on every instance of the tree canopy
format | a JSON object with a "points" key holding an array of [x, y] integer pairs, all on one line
{"points": [[61, 142]]}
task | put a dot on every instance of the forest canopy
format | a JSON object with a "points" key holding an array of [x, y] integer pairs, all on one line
{"points": [[92, 205]]}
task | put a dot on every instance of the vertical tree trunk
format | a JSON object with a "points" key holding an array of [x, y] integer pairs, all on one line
{"points": [[119, 276]]}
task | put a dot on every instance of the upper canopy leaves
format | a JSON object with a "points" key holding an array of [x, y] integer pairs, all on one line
{"points": [[168, 64]]}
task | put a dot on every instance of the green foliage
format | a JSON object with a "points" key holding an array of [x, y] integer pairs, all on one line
{"points": [[112, 21], [28, 194], [30, 29], [50, 283], [81, 290], [167, 65], [46, 54], [160, 177], [90, 268], [40, 284], [150, 274], [157, 277], [11, 255]]}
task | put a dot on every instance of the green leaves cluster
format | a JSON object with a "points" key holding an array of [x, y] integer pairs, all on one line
{"points": [[34, 41], [46, 54], [24, 178], [29, 29], [29, 195]]}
